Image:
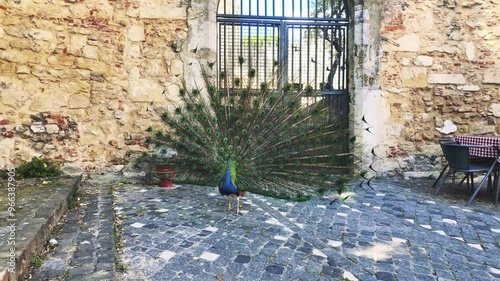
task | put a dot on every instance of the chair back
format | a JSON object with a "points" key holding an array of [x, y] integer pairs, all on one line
{"points": [[444, 141], [457, 155]]}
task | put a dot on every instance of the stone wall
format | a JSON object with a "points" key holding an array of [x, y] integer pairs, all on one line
{"points": [[440, 73], [105, 67], [420, 70]]}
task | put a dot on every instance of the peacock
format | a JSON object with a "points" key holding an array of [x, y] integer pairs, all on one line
{"points": [[272, 139]]}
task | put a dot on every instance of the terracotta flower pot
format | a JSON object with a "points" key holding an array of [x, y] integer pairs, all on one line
{"points": [[165, 183], [166, 174]]}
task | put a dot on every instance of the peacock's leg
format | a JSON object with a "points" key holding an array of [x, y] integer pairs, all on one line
{"points": [[229, 203], [237, 205]]}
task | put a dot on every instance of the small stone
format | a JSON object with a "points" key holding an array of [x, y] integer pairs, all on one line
{"points": [[176, 67], [48, 147], [477, 246], [386, 276], [37, 127], [4, 122], [492, 76], [449, 221], [90, 52], [39, 34], [424, 61], [38, 145], [448, 127], [21, 129], [8, 134], [469, 88], [242, 259], [275, 269], [135, 51], [52, 128], [209, 256], [53, 242], [118, 114], [97, 76], [136, 33], [177, 46], [72, 169], [445, 78], [117, 168], [23, 69], [166, 255]]}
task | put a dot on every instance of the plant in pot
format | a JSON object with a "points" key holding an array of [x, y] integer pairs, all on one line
{"points": [[165, 172], [158, 165]]}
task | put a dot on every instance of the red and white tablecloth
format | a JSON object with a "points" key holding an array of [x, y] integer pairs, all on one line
{"points": [[480, 140]]}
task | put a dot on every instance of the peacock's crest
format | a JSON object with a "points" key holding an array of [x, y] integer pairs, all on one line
{"points": [[280, 141]]}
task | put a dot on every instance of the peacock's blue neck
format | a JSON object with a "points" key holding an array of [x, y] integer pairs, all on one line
{"points": [[227, 177]]}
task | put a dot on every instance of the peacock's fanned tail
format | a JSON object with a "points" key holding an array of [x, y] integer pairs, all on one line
{"points": [[280, 145]]}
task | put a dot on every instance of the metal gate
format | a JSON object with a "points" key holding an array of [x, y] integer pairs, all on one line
{"points": [[300, 44]]}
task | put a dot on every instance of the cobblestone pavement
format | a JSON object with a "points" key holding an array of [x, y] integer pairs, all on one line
{"points": [[390, 232], [85, 249]]}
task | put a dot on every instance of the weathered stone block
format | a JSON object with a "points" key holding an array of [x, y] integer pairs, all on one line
{"points": [[135, 51], [144, 90], [495, 109], [93, 65], [37, 127], [90, 52], [15, 30], [470, 50], [38, 34], [11, 55], [26, 44], [479, 128], [61, 60], [79, 101], [52, 102], [159, 9], [21, 56], [176, 67], [492, 76], [414, 77], [11, 93], [52, 128], [424, 61], [409, 43], [118, 114], [76, 43], [469, 88], [136, 33], [448, 127], [154, 68], [78, 11], [23, 69], [442, 78]]}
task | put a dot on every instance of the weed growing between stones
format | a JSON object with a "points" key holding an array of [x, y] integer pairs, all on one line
{"points": [[36, 261], [117, 235], [38, 167]]}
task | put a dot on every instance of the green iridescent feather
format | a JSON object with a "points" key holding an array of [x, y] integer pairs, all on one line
{"points": [[282, 143]]}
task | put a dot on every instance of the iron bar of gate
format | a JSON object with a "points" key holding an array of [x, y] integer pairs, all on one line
{"points": [[313, 19], [334, 34], [294, 22]]}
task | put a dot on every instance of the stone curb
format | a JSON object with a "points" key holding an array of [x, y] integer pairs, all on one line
{"points": [[36, 240]]}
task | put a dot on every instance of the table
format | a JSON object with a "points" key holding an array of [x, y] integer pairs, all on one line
{"points": [[480, 140]]}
